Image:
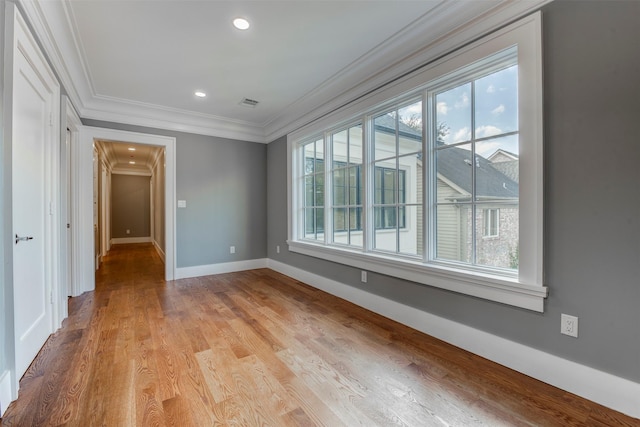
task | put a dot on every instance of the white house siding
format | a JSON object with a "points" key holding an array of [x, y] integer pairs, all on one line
{"points": [[452, 238]]}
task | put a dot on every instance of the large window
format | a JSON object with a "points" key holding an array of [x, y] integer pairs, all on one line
{"points": [[440, 185]]}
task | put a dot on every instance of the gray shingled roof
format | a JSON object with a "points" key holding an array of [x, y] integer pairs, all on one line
{"points": [[490, 182]]}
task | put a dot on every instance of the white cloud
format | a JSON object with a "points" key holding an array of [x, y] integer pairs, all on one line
{"points": [[464, 101], [412, 109], [498, 110], [491, 89], [486, 149], [485, 131], [442, 108], [463, 134]]}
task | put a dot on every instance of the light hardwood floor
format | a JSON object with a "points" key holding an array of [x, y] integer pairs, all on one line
{"points": [[258, 348]]}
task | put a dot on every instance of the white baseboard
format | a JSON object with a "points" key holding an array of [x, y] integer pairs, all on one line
{"points": [[227, 267], [159, 250], [5, 391], [609, 390], [122, 240]]}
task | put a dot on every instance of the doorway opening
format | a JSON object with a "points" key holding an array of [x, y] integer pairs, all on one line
{"points": [[129, 196], [91, 239]]}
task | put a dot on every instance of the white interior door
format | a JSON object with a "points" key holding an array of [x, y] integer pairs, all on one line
{"points": [[34, 136]]}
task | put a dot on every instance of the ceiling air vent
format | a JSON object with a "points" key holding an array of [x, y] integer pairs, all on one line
{"points": [[248, 102]]}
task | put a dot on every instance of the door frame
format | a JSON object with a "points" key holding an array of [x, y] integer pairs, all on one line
{"points": [[82, 189], [71, 121]]}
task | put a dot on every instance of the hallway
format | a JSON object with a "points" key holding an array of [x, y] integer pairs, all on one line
{"points": [[126, 265]]}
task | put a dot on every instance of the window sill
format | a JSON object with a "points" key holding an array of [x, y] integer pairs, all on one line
{"points": [[493, 288]]}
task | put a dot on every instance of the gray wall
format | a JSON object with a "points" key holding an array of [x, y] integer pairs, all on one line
{"points": [[224, 184], [592, 201], [130, 206]]}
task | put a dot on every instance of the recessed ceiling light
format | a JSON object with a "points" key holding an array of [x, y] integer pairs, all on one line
{"points": [[131, 149], [132, 163], [241, 24], [200, 94]]}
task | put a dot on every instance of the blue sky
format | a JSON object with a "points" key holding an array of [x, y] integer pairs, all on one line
{"points": [[496, 111]]}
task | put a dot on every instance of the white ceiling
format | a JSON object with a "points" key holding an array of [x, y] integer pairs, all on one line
{"points": [[140, 61]]}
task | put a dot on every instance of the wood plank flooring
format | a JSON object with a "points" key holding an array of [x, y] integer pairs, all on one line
{"points": [[258, 348]]}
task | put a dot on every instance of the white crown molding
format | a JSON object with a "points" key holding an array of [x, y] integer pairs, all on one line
{"points": [[423, 41], [154, 116], [49, 18]]}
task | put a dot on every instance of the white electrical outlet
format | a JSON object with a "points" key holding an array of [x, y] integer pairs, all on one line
{"points": [[278, 249], [363, 276], [232, 250], [569, 325], [128, 231]]}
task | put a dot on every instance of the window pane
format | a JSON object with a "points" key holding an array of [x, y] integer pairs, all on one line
{"points": [[453, 168], [410, 179], [355, 185], [319, 190], [340, 225], [384, 136], [490, 222], [309, 158], [355, 145], [389, 186], [309, 223], [410, 129], [355, 218], [386, 236], [378, 186], [497, 169], [339, 188], [355, 223], [388, 217], [339, 147], [453, 113], [496, 103], [402, 196], [309, 198], [499, 249], [411, 229], [320, 223], [453, 232], [319, 152]]}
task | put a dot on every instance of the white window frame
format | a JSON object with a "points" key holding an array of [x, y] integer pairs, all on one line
{"points": [[488, 215], [524, 289]]}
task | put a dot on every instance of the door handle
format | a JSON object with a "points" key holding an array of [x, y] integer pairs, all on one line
{"points": [[23, 239]]}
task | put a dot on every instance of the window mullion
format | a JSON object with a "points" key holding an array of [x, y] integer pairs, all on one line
{"points": [[328, 189], [396, 181], [430, 176], [347, 189], [367, 175], [474, 169]]}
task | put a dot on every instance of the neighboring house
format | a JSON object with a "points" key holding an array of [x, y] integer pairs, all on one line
{"points": [[497, 220]]}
